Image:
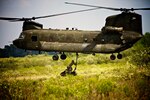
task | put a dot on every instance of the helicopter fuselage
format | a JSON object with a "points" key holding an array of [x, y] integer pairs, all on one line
{"points": [[76, 41], [120, 32]]}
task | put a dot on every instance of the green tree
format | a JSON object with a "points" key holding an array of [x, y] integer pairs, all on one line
{"points": [[141, 55]]}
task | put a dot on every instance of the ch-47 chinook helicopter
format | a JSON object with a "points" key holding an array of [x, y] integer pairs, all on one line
{"points": [[120, 32]]}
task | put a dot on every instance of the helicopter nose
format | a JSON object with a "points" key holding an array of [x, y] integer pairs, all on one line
{"points": [[18, 43]]}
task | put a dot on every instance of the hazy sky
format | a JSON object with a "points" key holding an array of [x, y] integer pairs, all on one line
{"points": [[91, 20]]}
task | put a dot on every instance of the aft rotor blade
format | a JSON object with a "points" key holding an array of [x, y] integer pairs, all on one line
{"points": [[66, 13], [93, 6]]}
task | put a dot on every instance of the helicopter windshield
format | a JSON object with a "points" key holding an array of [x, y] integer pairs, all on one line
{"points": [[21, 36]]}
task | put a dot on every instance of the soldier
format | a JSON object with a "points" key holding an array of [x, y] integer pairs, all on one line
{"points": [[69, 69]]}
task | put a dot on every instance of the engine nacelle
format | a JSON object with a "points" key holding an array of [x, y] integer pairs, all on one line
{"points": [[27, 25], [111, 29]]}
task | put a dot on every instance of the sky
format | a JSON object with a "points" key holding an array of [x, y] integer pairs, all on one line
{"points": [[91, 20]]}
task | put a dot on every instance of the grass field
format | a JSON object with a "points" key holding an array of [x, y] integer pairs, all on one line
{"points": [[37, 77]]}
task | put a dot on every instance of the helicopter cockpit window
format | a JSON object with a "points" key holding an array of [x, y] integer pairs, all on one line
{"points": [[21, 36], [34, 38]]}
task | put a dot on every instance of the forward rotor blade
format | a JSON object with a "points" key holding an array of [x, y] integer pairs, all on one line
{"points": [[53, 15], [15, 19], [116, 9], [7, 18], [66, 13], [141, 8]]}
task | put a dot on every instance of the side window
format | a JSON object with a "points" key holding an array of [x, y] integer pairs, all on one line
{"points": [[34, 38]]}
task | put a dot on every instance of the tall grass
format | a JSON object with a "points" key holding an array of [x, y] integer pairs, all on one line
{"points": [[38, 77]]}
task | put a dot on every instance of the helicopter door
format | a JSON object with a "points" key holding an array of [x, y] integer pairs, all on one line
{"points": [[33, 42]]}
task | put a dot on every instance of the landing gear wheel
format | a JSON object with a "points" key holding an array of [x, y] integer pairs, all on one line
{"points": [[55, 57], [119, 56], [112, 57], [63, 56]]}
